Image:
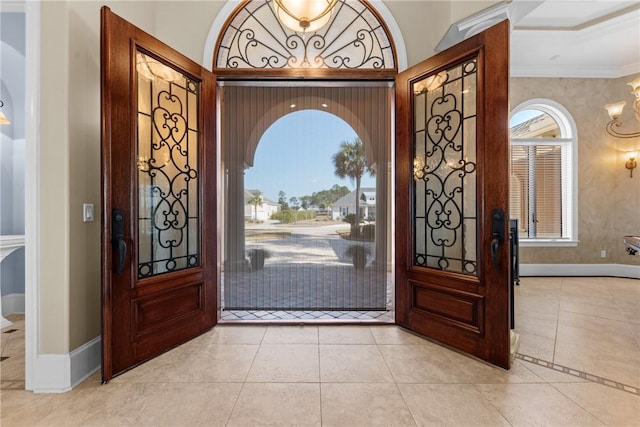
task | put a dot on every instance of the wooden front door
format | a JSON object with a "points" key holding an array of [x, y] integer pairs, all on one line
{"points": [[159, 279], [452, 188]]}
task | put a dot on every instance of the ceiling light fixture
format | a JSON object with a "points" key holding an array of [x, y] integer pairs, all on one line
{"points": [[304, 15], [3, 118], [615, 111]]}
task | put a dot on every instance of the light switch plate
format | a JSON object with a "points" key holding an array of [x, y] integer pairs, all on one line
{"points": [[87, 212]]}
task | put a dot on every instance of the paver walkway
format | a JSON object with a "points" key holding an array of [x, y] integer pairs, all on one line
{"points": [[307, 271]]}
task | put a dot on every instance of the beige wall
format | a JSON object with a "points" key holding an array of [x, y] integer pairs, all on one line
{"points": [[608, 200], [70, 169]]}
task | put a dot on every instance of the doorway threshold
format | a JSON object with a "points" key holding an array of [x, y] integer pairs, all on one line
{"points": [[279, 316]]}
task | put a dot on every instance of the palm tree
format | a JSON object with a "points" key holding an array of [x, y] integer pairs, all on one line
{"points": [[256, 201], [351, 162]]}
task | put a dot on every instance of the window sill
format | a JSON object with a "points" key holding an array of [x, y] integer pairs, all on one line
{"points": [[539, 243]]}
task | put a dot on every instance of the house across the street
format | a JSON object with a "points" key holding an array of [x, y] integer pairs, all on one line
{"points": [[264, 210], [347, 205]]}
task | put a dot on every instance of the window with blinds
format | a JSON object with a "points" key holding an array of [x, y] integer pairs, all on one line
{"points": [[540, 176]]}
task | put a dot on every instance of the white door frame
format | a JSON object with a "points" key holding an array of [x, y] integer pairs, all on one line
{"points": [[32, 191]]}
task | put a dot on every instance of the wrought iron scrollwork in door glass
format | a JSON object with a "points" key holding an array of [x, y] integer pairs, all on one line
{"points": [[444, 170], [167, 163]]}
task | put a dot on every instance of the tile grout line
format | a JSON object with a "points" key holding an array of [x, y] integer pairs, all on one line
{"points": [[235, 403], [579, 374], [320, 376], [395, 381], [493, 405], [577, 402], [555, 337]]}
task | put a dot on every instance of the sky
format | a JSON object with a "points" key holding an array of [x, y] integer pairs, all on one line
{"points": [[523, 115], [294, 155]]}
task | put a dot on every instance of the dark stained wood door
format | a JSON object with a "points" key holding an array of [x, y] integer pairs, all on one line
{"points": [[159, 279], [452, 187]]}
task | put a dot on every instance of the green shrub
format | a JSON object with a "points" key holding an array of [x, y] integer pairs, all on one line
{"points": [[289, 216], [285, 217]]}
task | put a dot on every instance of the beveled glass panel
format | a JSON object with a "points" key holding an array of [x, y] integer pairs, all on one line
{"points": [[167, 161], [445, 205]]}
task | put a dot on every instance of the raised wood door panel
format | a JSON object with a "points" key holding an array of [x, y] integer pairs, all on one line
{"points": [[452, 169], [159, 278]]}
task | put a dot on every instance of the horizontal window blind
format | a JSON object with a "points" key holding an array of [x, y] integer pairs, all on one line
{"points": [[540, 181]]}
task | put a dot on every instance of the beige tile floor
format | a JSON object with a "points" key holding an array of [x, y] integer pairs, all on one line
{"points": [[371, 375]]}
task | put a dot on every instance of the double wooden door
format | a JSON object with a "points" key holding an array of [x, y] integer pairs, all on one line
{"points": [[160, 269]]}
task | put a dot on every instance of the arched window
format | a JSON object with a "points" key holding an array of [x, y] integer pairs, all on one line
{"points": [[543, 174]]}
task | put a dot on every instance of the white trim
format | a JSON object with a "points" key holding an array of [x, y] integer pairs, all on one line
{"points": [[474, 24], [51, 373], [12, 304], [396, 34], [546, 243], [571, 71], [85, 361], [567, 270], [214, 32], [35, 371], [59, 373], [378, 5]]}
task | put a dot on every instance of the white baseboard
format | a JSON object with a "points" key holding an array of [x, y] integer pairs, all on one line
{"points": [[51, 373], [58, 373], [560, 270], [86, 360], [12, 304]]}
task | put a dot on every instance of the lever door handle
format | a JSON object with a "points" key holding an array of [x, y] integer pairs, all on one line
{"points": [[122, 254], [117, 238], [497, 234], [495, 244]]}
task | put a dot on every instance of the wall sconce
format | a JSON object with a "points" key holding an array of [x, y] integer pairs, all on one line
{"points": [[304, 15], [418, 168], [3, 118], [615, 111], [631, 164]]}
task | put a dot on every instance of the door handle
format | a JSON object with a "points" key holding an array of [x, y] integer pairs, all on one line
{"points": [[497, 234], [117, 238]]}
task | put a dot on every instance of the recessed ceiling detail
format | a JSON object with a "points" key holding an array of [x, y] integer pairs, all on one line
{"points": [[578, 38]]}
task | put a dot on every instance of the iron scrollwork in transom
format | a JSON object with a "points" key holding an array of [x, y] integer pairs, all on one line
{"points": [[354, 38]]}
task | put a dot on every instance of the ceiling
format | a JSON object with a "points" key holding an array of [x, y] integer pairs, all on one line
{"points": [[575, 38]]}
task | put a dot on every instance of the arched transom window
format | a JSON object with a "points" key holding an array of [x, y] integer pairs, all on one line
{"points": [[353, 38]]}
